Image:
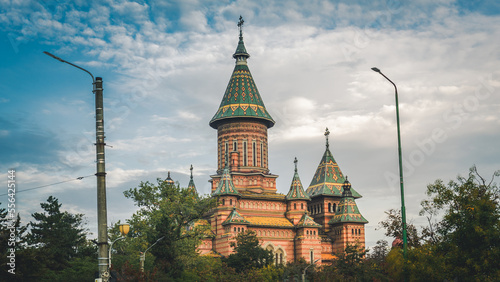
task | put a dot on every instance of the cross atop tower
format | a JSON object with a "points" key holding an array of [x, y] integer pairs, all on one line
{"points": [[326, 136], [295, 162], [191, 169], [240, 25]]}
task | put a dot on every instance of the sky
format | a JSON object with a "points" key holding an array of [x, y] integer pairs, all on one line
{"points": [[166, 65]]}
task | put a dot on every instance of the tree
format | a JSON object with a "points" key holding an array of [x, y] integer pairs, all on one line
{"points": [[469, 233], [394, 229], [171, 217], [57, 237], [248, 252]]}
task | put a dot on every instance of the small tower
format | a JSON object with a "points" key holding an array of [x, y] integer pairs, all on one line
{"points": [[325, 189], [191, 185], [296, 199], [169, 180], [308, 240], [347, 225]]}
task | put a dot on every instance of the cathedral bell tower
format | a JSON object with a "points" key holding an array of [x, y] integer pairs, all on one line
{"points": [[242, 122]]}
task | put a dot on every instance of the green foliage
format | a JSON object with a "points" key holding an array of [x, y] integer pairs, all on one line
{"points": [[469, 233], [59, 235], [394, 229], [168, 216], [465, 244], [248, 253]]}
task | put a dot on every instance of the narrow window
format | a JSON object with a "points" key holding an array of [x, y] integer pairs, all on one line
{"points": [[235, 145], [302, 206], [334, 207], [223, 202], [329, 207], [254, 154], [294, 206], [230, 202], [244, 153], [352, 231], [235, 229], [312, 255], [221, 157], [261, 154]]}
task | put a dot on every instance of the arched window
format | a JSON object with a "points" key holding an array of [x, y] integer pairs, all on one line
{"points": [[295, 206], [334, 207], [352, 231], [302, 206], [329, 207], [235, 229]]}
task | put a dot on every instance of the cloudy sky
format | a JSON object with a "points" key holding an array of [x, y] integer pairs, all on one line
{"points": [[165, 67]]}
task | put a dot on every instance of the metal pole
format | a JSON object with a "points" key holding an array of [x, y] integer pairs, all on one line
{"points": [[403, 209], [111, 249], [102, 225], [102, 222], [142, 258], [305, 269]]}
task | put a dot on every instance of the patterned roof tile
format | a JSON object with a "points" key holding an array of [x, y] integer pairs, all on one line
{"points": [[269, 221]]}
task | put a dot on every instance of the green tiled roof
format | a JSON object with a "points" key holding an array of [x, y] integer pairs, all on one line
{"points": [[226, 186], [235, 218], [296, 190], [307, 221], [241, 99], [328, 178], [347, 209]]}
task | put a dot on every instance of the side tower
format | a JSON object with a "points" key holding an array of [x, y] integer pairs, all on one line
{"points": [[242, 122], [326, 189], [347, 225]]}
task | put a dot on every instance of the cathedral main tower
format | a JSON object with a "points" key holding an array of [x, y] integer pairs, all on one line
{"points": [[242, 122]]}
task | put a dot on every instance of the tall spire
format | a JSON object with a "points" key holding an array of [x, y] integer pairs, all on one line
{"points": [[226, 185], [191, 181], [296, 191], [241, 54], [328, 179], [242, 98]]}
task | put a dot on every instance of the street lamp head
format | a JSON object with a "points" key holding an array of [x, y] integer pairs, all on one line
{"points": [[375, 69], [124, 228]]}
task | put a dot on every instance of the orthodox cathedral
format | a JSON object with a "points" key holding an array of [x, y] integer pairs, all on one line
{"points": [[310, 223]]}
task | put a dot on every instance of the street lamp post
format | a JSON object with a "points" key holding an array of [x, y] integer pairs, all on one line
{"points": [[142, 258], [124, 228], [102, 217], [403, 209], [305, 269]]}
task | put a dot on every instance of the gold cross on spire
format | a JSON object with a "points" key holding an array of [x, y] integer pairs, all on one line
{"points": [[326, 136], [191, 169], [295, 162]]}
